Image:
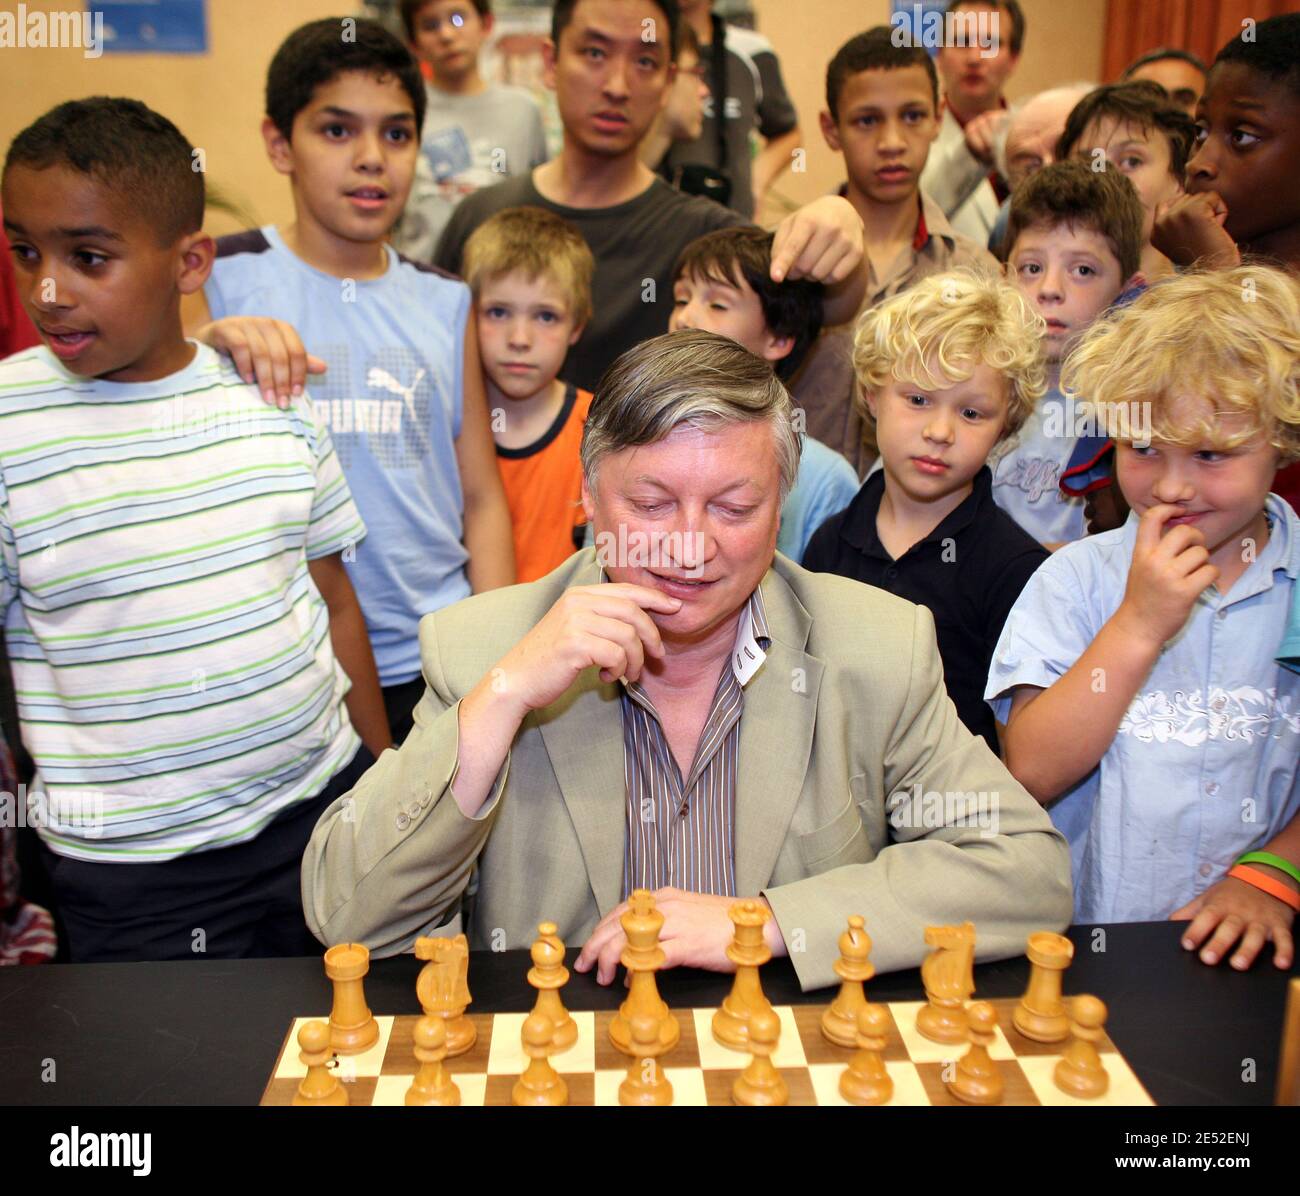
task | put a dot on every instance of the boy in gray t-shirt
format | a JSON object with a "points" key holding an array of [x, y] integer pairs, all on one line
{"points": [[476, 133]]}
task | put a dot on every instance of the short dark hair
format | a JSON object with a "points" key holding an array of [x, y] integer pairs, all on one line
{"points": [[410, 10], [1161, 55], [562, 14], [1142, 103], [1014, 11], [1275, 50], [1072, 193], [792, 308], [874, 50], [128, 148], [318, 52]]}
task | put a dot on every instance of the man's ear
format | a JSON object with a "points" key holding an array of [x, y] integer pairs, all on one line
{"points": [[197, 252], [550, 51], [588, 502], [830, 132], [278, 148]]}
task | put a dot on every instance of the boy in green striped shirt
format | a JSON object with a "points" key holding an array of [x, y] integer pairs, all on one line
{"points": [[193, 675]]}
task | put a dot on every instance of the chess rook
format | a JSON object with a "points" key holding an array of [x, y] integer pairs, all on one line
{"points": [[748, 950], [1041, 1013], [352, 1027], [642, 957], [840, 1021]]}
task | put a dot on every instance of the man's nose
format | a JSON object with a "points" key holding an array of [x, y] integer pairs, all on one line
{"points": [[615, 82]]}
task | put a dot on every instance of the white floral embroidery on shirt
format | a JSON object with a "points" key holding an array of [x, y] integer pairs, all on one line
{"points": [[1190, 718]]}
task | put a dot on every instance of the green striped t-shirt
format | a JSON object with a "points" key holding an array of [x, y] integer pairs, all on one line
{"points": [[171, 655]]}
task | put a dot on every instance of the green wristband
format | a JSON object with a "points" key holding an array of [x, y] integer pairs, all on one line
{"points": [[1273, 861]]}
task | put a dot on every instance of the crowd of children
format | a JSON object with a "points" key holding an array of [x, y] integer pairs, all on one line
{"points": [[235, 474]]}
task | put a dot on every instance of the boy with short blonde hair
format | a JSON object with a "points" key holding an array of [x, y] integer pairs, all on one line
{"points": [[530, 273], [947, 370], [1136, 674]]}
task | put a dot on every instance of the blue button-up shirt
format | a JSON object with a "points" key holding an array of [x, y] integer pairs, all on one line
{"points": [[1205, 763]]}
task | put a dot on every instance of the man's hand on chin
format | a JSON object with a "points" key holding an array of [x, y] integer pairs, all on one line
{"points": [[696, 933]]}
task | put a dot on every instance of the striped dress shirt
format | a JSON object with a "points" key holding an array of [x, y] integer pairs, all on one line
{"points": [[682, 832]]}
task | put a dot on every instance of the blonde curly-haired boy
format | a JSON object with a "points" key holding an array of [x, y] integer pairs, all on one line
{"points": [[1137, 672]]}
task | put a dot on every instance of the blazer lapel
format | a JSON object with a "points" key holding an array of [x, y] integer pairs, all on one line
{"points": [[583, 733], [776, 732]]}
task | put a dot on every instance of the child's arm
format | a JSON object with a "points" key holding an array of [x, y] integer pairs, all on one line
{"points": [[1236, 910], [1190, 229], [351, 645], [1056, 736], [823, 241], [266, 351], [488, 537]]}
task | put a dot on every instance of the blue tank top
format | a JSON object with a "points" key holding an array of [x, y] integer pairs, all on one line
{"points": [[392, 400]]}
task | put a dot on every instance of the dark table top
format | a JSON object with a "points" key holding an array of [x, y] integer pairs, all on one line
{"points": [[207, 1032]]}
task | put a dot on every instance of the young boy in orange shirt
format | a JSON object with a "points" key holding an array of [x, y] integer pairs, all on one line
{"points": [[530, 274]]}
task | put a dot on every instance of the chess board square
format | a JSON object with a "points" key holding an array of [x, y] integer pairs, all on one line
{"points": [[1125, 1088], [819, 1049], [908, 1089], [401, 1060], [610, 1058], [391, 1089], [1016, 1089], [789, 1049], [367, 1063], [507, 1057], [718, 1084], [499, 1089], [687, 1082], [921, 1050]]}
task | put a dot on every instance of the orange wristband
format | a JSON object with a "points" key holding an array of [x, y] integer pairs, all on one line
{"points": [[1266, 884]]}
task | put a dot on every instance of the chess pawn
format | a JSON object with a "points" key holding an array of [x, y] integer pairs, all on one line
{"points": [[443, 988], [977, 1080], [540, 1084], [1040, 1014], [319, 1086], [646, 1083], [642, 957], [748, 950], [353, 1028], [548, 975], [840, 1021], [760, 1083], [433, 1084], [1080, 1071], [866, 1081]]}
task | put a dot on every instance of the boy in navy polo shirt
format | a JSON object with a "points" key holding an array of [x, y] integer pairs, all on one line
{"points": [[947, 369]]}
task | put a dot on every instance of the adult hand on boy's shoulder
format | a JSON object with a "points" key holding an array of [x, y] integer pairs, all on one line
{"points": [[981, 132], [266, 352], [1234, 911], [1170, 568], [822, 241], [1190, 229]]}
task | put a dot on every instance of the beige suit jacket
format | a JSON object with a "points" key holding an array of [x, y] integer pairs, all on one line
{"points": [[845, 718]]}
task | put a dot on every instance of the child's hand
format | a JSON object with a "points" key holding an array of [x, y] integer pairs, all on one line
{"points": [[1190, 229], [1169, 571], [822, 241], [264, 351], [1238, 911]]}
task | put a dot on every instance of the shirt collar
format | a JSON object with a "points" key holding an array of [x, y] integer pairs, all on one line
{"points": [[752, 639], [933, 223], [859, 530]]}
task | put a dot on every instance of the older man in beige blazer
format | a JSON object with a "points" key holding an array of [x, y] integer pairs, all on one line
{"points": [[681, 709]]}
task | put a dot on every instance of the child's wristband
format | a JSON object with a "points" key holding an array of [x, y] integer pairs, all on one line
{"points": [[1273, 861], [1266, 884]]}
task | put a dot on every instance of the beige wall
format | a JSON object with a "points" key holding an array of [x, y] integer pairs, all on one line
{"points": [[1063, 43], [216, 98]]}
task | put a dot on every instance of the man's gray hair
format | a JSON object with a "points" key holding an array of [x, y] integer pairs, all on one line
{"points": [[688, 377]]}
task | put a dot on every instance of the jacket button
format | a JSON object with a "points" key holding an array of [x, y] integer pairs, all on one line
{"points": [[403, 821]]}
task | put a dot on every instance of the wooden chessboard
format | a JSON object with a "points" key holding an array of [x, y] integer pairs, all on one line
{"points": [[701, 1071]]}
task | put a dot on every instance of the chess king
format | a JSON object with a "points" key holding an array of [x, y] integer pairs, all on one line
{"points": [[688, 713]]}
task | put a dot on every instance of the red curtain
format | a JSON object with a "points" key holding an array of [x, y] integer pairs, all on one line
{"points": [[1202, 26]]}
